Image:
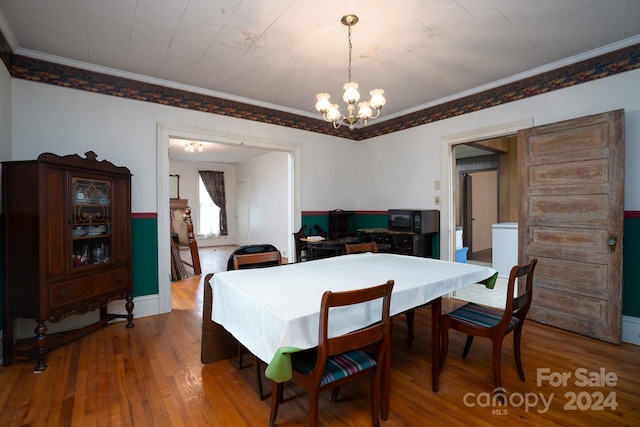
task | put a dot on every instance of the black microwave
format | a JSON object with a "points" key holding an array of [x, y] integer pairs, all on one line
{"points": [[413, 220]]}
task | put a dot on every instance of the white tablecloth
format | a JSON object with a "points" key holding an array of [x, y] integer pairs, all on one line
{"points": [[269, 308]]}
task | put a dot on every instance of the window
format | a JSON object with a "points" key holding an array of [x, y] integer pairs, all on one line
{"points": [[209, 213]]}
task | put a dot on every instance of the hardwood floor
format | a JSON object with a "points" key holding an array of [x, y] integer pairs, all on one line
{"points": [[151, 375], [481, 256]]}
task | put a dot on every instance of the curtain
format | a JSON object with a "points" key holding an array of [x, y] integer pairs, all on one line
{"points": [[214, 183]]}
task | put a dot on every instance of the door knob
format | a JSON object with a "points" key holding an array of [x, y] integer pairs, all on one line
{"points": [[611, 241]]}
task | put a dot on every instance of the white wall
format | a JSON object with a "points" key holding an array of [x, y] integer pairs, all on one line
{"points": [[268, 182], [123, 131], [5, 114], [189, 173], [268, 178], [397, 170], [400, 169], [47, 118]]}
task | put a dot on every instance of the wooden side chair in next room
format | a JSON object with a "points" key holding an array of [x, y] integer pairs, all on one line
{"points": [[475, 320], [339, 359]]}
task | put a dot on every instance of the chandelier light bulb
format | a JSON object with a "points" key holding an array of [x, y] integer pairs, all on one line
{"points": [[351, 94], [190, 147], [334, 113], [323, 103], [377, 99], [364, 110]]}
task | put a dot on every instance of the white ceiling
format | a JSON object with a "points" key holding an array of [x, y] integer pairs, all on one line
{"points": [[280, 53], [212, 152]]}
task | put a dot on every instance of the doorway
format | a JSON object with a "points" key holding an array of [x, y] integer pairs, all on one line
{"points": [[167, 131], [474, 152]]}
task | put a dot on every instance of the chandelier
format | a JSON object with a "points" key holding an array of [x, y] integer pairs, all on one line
{"points": [[193, 146], [331, 113]]}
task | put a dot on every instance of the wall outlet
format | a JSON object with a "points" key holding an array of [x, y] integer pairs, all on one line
{"points": [[437, 200]]}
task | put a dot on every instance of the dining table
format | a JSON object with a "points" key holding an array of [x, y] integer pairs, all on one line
{"points": [[275, 311]]}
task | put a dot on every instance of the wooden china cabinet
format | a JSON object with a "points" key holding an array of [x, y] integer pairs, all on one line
{"points": [[67, 247]]}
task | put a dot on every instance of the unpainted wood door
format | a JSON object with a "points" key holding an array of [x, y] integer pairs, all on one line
{"points": [[571, 220]]}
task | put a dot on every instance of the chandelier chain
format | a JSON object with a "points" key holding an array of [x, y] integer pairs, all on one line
{"points": [[350, 49]]}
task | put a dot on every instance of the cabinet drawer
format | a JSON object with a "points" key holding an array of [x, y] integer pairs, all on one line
{"points": [[74, 291]]}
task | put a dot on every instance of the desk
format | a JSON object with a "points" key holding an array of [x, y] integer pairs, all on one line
{"points": [[329, 247], [272, 308]]}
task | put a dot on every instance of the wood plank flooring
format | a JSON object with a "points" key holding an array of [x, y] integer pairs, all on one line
{"points": [[151, 375]]}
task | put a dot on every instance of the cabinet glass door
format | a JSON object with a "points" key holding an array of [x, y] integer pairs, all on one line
{"points": [[91, 221]]}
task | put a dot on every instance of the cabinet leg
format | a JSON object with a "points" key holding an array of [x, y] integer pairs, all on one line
{"points": [[41, 342], [129, 307]]}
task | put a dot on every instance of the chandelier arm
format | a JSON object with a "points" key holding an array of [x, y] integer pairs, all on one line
{"points": [[377, 114]]}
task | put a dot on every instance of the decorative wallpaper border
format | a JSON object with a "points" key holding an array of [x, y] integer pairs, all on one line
{"points": [[605, 65]]}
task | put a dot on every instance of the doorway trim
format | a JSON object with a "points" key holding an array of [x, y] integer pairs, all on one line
{"points": [[168, 130], [448, 170]]}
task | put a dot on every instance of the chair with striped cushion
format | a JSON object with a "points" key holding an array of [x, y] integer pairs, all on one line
{"points": [[339, 359], [475, 320]]}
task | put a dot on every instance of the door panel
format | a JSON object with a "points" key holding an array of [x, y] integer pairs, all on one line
{"points": [[572, 188], [485, 208]]}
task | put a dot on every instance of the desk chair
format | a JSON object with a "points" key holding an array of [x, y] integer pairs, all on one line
{"points": [[476, 320], [254, 256], [355, 248], [340, 359], [372, 247]]}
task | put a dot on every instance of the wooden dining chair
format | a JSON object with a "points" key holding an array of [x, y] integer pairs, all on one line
{"points": [[476, 320], [339, 359], [355, 248], [257, 260], [249, 257]]}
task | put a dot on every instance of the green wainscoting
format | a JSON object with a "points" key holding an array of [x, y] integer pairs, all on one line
{"points": [[145, 254], [364, 219], [631, 274], [372, 219], [311, 219]]}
